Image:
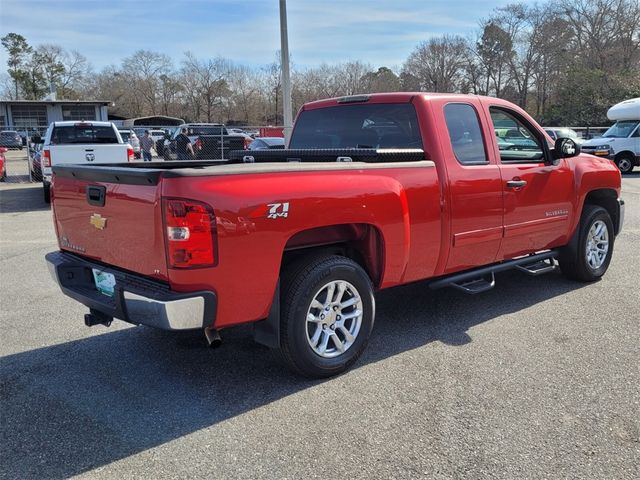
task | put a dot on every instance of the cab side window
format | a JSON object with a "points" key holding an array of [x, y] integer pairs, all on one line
{"points": [[465, 134], [516, 141]]}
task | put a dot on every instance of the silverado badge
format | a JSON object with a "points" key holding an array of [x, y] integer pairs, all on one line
{"points": [[97, 221]]}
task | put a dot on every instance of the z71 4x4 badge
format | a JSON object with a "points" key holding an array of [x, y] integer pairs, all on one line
{"points": [[277, 210]]}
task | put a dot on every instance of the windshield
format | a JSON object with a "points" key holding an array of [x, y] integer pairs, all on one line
{"points": [[621, 129], [85, 134], [358, 126]]}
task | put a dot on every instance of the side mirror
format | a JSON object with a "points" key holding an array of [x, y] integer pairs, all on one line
{"points": [[565, 148]]}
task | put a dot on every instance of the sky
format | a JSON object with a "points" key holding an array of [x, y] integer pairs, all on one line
{"points": [[379, 32]]}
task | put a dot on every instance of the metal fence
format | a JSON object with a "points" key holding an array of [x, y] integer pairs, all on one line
{"points": [[26, 160]]}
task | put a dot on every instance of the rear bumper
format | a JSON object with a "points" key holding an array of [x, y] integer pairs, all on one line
{"points": [[136, 299]]}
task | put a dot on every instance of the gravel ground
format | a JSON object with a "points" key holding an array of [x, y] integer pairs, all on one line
{"points": [[538, 378]]}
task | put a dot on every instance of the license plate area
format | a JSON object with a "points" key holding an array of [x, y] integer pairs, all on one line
{"points": [[105, 282]]}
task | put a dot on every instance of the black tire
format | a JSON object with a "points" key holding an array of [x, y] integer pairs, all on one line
{"points": [[625, 162], [4, 176], [573, 257], [47, 192], [301, 284]]}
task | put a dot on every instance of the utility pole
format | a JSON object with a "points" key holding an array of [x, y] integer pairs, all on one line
{"points": [[286, 78]]}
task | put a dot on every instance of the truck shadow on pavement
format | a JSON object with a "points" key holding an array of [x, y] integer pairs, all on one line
{"points": [[27, 198], [73, 407]]}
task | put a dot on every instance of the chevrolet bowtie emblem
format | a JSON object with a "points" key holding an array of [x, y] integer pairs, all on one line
{"points": [[97, 221]]}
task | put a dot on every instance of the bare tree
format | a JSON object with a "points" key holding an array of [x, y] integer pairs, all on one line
{"points": [[606, 32], [75, 78], [271, 87], [438, 64], [205, 80], [245, 88], [143, 69]]}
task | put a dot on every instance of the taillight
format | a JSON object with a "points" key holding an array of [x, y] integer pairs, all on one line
{"points": [[247, 142], [190, 233], [130, 154], [198, 144], [46, 155]]}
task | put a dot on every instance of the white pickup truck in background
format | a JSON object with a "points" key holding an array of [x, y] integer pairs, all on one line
{"points": [[81, 142]]}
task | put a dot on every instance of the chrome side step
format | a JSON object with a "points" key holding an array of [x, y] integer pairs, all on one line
{"points": [[476, 281]]}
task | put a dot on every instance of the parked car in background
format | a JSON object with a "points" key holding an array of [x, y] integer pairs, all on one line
{"points": [[621, 142], [10, 139], [217, 147], [209, 148], [130, 137], [159, 136], [557, 132], [81, 142], [3, 165], [35, 161], [517, 137], [503, 144], [266, 143]]}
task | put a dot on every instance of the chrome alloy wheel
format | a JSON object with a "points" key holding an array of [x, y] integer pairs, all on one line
{"points": [[597, 244], [334, 318]]}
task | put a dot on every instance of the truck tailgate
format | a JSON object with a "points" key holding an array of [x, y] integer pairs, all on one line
{"points": [[98, 153], [126, 232]]}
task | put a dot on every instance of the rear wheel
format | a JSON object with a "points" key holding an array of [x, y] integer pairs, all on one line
{"points": [[624, 162], [327, 316], [588, 256]]}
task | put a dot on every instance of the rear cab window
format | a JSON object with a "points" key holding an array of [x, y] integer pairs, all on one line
{"points": [[465, 134], [381, 126], [83, 134], [125, 136]]}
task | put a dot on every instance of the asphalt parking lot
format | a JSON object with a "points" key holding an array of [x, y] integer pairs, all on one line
{"points": [[537, 378]]}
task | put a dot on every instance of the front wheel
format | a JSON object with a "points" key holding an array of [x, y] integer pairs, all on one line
{"points": [[588, 256], [624, 163], [327, 316]]}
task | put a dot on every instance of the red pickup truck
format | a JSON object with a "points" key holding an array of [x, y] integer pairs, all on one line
{"points": [[374, 191]]}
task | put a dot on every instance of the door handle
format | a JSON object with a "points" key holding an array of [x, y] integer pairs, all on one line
{"points": [[516, 183]]}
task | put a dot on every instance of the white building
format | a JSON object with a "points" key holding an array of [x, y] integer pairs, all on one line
{"points": [[32, 115]]}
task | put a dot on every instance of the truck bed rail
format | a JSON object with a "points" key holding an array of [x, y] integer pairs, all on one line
{"points": [[367, 155]]}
